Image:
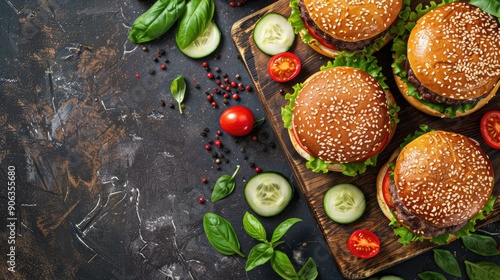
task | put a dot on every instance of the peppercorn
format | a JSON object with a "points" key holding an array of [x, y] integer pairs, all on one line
{"points": [[206, 129], [204, 64], [248, 88], [171, 105], [258, 169], [144, 48], [155, 59], [252, 164], [201, 200], [161, 52], [218, 143], [217, 69], [282, 92], [207, 147], [238, 76], [197, 85], [137, 75], [236, 96], [217, 161], [272, 144], [163, 67], [162, 103], [242, 150], [204, 180], [151, 71], [226, 150], [210, 75]]}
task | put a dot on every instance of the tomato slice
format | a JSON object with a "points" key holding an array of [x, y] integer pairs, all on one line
{"points": [[363, 244], [490, 128], [284, 66], [318, 38], [378, 150], [385, 188]]}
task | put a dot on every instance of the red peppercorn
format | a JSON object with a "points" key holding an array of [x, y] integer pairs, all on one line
{"points": [[214, 104], [210, 75], [207, 147], [204, 180], [217, 82], [210, 98], [137, 75], [236, 96], [204, 64], [226, 95], [254, 138], [248, 88], [231, 4], [234, 84], [163, 67], [201, 200], [219, 132], [258, 169], [218, 143]]}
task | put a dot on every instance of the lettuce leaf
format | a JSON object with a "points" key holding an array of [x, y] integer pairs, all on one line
{"points": [[492, 7], [399, 49]]}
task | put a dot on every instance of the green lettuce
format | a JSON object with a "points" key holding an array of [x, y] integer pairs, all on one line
{"points": [[299, 27], [399, 49], [368, 64]]}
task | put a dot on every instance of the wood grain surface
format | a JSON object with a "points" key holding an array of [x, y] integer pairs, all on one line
{"points": [[314, 185]]}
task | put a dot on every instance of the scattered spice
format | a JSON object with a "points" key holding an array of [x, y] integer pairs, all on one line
{"points": [[204, 180], [258, 169], [201, 200]]}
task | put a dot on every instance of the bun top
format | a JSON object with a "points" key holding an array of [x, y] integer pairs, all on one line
{"points": [[444, 178], [353, 20], [454, 50], [341, 114]]}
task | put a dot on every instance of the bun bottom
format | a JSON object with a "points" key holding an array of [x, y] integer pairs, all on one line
{"points": [[403, 88], [332, 53]]}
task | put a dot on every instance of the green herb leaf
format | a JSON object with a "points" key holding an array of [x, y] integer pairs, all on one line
{"points": [[431, 275], [482, 270], [259, 255], [254, 228], [178, 90], [221, 234], [481, 244], [447, 262], [224, 186], [309, 271], [156, 21], [490, 6], [283, 266], [283, 228], [194, 22]]}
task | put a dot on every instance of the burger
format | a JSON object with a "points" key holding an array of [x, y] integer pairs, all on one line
{"points": [[341, 117], [330, 26], [448, 65], [436, 186]]}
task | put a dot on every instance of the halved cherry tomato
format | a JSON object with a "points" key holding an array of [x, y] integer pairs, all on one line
{"points": [[237, 120], [364, 244], [284, 66], [490, 128]]}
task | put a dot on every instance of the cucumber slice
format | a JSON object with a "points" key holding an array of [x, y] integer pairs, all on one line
{"points": [[391, 277], [273, 34], [204, 45], [268, 193], [344, 203]]}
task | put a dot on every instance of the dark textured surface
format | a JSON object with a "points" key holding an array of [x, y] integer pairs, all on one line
{"points": [[108, 179]]}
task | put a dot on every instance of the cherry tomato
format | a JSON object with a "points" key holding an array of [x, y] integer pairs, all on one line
{"points": [[284, 66], [490, 128], [237, 120], [364, 244]]}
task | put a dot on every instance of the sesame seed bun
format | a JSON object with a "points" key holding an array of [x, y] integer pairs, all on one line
{"points": [[454, 52], [341, 115], [349, 22], [442, 179]]}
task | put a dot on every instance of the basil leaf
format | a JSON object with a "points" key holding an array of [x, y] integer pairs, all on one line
{"points": [[156, 21], [309, 271], [482, 270], [194, 22], [259, 255], [283, 266], [447, 262], [283, 228], [254, 228], [221, 234], [431, 275], [490, 6], [224, 186], [481, 244], [178, 90]]}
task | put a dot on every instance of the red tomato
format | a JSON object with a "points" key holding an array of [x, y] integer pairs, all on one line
{"points": [[237, 120], [284, 66], [363, 244], [385, 188], [318, 38], [490, 128], [378, 150]]}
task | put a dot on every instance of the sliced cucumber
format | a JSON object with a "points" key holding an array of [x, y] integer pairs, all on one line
{"points": [[204, 45], [344, 203], [268, 193], [391, 277], [273, 34]]}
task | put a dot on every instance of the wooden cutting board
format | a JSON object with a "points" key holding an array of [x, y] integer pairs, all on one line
{"points": [[314, 185]]}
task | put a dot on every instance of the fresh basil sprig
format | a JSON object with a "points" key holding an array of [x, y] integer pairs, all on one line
{"points": [[482, 270], [178, 90], [265, 251], [224, 186], [481, 244], [447, 262], [221, 234], [431, 275], [194, 22], [157, 20]]}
